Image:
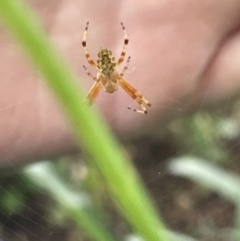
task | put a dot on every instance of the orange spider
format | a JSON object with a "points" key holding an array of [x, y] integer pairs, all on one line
{"points": [[108, 76]]}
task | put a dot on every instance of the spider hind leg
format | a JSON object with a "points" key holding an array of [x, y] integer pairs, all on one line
{"points": [[93, 93], [136, 95]]}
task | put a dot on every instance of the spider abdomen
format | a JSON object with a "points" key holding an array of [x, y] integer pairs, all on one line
{"points": [[106, 62]]}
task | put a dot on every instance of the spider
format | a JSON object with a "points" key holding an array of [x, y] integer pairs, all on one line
{"points": [[108, 76]]}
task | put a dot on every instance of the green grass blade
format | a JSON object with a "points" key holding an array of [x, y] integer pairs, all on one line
{"points": [[122, 180]]}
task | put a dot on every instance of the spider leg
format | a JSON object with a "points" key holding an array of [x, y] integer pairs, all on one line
{"points": [[125, 67], [84, 44], [89, 74], [136, 95], [94, 91], [122, 56]]}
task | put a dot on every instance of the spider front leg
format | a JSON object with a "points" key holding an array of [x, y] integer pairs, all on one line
{"points": [[126, 40], [136, 95], [84, 44]]}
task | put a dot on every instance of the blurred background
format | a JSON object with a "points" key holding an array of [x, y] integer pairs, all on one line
{"points": [[186, 150], [190, 168]]}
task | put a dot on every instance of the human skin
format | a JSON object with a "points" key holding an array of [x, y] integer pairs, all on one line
{"points": [[183, 53]]}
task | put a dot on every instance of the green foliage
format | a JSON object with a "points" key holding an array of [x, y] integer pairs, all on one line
{"points": [[12, 200], [201, 134]]}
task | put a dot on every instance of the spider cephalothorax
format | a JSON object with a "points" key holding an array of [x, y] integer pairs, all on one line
{"points": [[108, 77]]}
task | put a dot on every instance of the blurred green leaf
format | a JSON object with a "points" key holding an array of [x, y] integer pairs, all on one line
{"points": [[209, 175], [77, 205]]}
